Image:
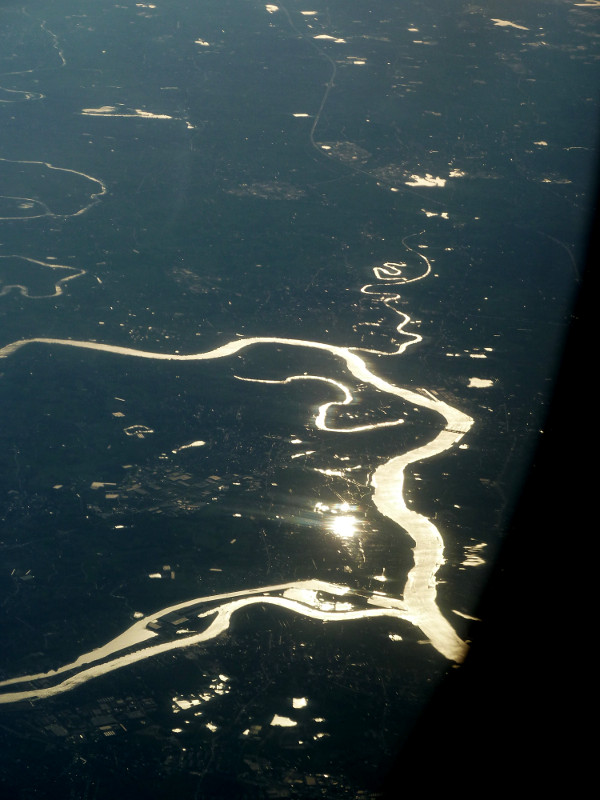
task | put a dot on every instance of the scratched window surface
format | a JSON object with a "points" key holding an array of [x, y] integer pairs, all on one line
{"points": [[271, 279]]}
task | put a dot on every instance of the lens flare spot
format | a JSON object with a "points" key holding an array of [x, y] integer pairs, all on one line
{"points": [[345, 527]]}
